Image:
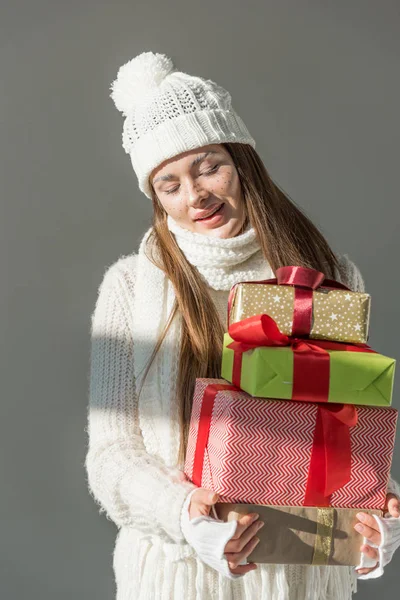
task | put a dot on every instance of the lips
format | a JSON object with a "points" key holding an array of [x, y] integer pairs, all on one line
{"points": [[209, 213]]}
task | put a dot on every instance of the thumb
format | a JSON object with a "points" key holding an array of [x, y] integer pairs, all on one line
{"points": [[393, 506], [201, 502], [208, 497], [182, 476]]}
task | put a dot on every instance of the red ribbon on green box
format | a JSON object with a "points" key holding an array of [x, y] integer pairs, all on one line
{"points": [[311, 364], [330, 462]]}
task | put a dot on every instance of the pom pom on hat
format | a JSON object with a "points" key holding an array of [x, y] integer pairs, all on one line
{"points": [[137, 78]]}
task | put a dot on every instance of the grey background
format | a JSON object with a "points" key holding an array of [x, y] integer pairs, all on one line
{"points": [[316, 83]]}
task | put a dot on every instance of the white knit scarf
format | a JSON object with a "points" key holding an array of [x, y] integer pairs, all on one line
{"points": [[222, 263]]}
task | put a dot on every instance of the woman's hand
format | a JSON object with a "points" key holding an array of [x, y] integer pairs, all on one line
{"points": [[368, 527], [242, 543]]}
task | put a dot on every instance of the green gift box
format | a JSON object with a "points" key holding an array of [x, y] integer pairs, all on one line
{"points": [[349, 377]]}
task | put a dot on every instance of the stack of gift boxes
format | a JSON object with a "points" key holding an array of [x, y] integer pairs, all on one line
{"points": [[299, 428]]}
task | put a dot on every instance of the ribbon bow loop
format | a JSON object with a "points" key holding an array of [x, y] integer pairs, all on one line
{"points": [[299, 276], [259, 330], [345, 413]]}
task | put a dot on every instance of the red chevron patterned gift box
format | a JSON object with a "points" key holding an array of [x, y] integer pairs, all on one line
{"points": [[282, 452]]}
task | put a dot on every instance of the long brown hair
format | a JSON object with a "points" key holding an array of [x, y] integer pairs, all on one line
{"points": [[287, 237]]}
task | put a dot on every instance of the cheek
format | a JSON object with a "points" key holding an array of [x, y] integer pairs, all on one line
{"points": [[226, 183], [174, 207]]}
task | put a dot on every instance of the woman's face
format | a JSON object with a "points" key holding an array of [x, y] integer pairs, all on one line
{"points": [[200, 189]]}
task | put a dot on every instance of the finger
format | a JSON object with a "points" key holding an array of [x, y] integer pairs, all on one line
{"points": [[370, 552], [368, 520], [236, 544], [244, 522], [198, 510], [388, 498], [369, 528], [204, 496], [234, 558], [201, 502], [182, 476], [365, 570], [393, 506], [372, 535], [242, 569]]}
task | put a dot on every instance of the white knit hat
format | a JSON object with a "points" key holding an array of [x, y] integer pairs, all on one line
{"points": [[168, 112]]}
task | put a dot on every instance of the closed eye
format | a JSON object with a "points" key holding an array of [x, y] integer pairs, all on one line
{"points": [[172, 191], [206, 173], [213, 170]]}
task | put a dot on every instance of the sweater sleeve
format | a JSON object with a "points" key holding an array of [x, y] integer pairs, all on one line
{"points": [[132, 487], [393, 487], [349, 274]]}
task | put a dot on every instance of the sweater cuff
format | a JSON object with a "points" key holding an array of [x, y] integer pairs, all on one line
{"points": [[393, 487], [208, 536], [389, 528]]}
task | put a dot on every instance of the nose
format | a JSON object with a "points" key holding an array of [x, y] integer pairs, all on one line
{"points": [[196, 194]]}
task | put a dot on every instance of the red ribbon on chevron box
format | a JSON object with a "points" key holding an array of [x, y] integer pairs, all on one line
{"points": [[260, 451]]}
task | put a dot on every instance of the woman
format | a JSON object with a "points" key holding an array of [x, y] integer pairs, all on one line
{"points": [[158, 324]]}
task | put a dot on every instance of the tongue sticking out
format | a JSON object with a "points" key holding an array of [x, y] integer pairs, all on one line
{"points": [[212, 214]]}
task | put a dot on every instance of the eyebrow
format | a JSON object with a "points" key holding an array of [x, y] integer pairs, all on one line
{"points": [[195, 162]]}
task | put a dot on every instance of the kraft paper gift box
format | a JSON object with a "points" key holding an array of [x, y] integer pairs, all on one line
{"points": [[302, 535], [286, 453], [304, 371], [333, 313]]}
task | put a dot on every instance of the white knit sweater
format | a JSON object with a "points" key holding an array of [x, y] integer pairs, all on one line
{"points": [[138, 490]]}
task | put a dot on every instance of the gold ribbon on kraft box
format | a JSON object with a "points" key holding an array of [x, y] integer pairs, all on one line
{"points": [[302, 534]]}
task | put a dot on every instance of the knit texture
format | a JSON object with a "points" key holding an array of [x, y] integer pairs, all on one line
{"points": [[131, 457], [222, 262], [127, 480], [208, 536], [169, 112]]}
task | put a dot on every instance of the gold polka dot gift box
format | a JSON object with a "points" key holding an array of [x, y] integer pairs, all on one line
{"points": [[305, 304]]}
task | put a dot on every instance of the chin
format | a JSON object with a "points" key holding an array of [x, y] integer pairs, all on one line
{"points": [[224, 230], [228, 230]]}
